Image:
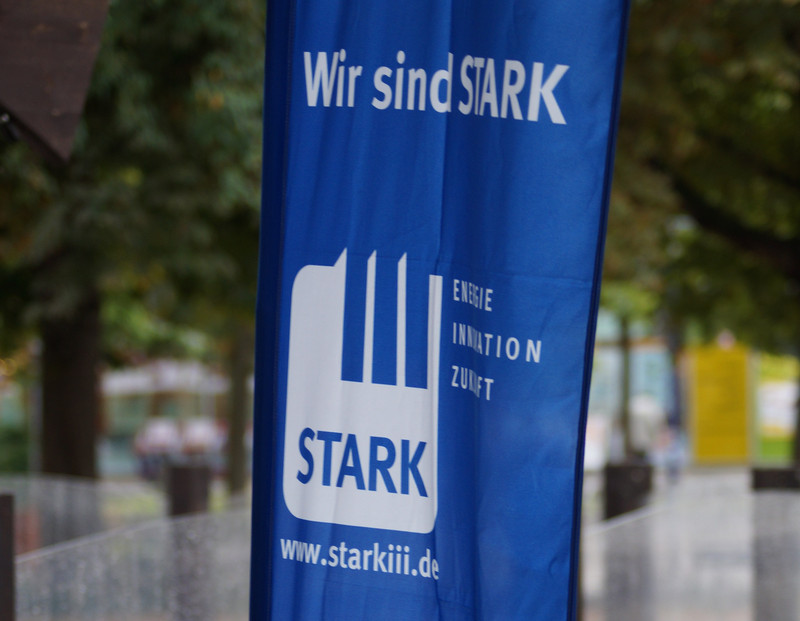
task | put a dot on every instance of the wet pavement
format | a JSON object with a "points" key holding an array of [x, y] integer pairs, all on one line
{"points": [[706, 548]]}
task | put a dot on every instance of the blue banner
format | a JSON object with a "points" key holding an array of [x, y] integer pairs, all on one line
{"points": [[436, 181]]}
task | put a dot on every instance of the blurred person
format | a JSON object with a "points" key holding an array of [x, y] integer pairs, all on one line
{"points": [[156, 443]]}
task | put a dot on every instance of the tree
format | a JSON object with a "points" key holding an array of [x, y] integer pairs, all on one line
{"points": [[710, 126], [159, 202]]}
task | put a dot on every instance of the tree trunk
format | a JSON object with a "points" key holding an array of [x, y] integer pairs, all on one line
{"points": [[71, 390], [240, 363], [796, 446], [625, 388]]}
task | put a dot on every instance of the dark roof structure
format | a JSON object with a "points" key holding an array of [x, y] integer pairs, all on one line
{"points": [[47, 51]]}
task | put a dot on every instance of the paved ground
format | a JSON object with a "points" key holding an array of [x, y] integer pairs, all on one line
{"points": [[707, 548]]}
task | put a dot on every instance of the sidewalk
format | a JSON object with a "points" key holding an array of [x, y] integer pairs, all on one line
{"points": [[706, 548]]}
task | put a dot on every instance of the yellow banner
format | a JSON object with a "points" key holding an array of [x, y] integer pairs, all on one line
{"points": [[719, 404]]}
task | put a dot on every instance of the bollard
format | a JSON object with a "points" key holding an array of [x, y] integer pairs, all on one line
{"points": [[188, 488], [762, 479], [7, 580], [627, 487]]}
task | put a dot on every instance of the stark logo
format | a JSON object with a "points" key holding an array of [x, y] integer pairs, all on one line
{"points": [[358, 453]]}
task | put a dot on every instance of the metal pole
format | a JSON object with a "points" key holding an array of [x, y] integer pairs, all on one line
{"points": [[7, 580]]}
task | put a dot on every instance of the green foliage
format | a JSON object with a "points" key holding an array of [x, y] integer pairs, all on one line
{"points": [[720, 288], [777, 368], [156, 215], [132, 334], [13, 449], [627, 300], [158, 208], [709, 128]]}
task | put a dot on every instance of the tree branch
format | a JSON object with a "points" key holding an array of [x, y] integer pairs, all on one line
{"points": [[750, 159], [781, 253]]}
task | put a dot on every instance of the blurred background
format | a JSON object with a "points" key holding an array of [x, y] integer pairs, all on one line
{"points": [[128, 272], [129, 249]]}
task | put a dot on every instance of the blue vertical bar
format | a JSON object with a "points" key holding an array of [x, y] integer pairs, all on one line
{"points": [[417, 327], [355, 296], [384, 358]]}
